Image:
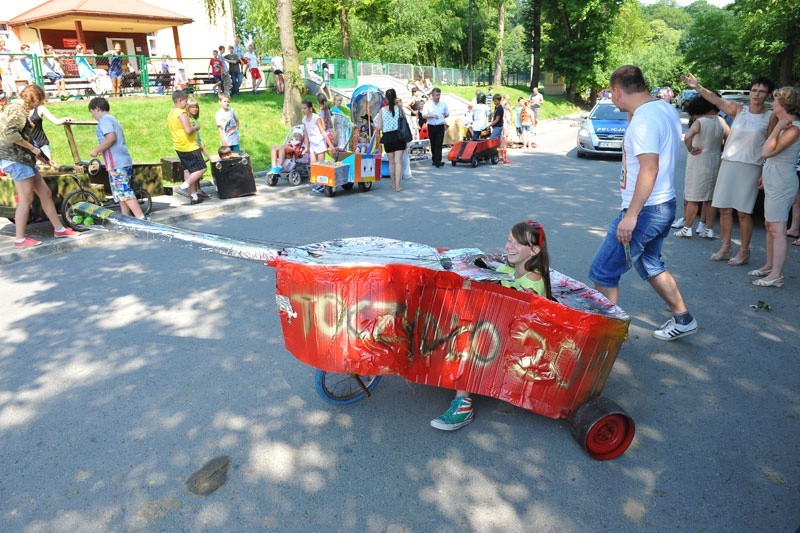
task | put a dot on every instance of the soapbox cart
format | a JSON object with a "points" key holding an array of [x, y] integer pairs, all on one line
{"points": [[474, 152], [361, 308]]}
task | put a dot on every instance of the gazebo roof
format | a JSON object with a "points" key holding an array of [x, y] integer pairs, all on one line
{"points": [[130, 16]]}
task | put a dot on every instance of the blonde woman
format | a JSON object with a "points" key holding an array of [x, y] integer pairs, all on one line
{"points": [[18, 160], [780, 183]]}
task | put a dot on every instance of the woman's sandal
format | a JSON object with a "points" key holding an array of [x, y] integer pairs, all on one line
{"points": [[723, 254], [759, 273], [739, 261], [777, 282]]}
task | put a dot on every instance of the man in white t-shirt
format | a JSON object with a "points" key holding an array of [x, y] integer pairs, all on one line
{"points": [[252, 66], [435, 112], [635, 237]]}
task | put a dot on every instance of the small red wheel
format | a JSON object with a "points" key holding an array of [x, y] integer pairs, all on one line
{"points": [[603, 429]]}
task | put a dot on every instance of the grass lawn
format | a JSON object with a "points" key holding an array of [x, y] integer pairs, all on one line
{"points": [[553, 107], [144, 120]]}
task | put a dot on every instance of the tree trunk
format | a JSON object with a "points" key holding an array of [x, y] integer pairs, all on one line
{"points": [[344, 23], [786, 60], [536, 48], [501, 29], [291, 65]]}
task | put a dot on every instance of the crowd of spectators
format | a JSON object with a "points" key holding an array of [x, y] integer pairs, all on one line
{"points": [[726, 168]]}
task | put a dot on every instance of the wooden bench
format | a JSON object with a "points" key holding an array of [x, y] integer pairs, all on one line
{"points": [[202, 81], [160, 81], [75, 87]]}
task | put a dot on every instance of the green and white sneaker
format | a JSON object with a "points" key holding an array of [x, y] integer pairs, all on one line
{"points": [[457, 416]]}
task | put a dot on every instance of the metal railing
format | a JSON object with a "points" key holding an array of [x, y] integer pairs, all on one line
{"points": [[406, 71], [89, 74]]}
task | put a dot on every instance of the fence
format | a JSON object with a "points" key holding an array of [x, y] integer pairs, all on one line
{"points": [[345, 72], [140, 74], [404, 71]]}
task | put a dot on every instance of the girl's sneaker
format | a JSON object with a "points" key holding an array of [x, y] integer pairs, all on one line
{"points": [[701, 227], [678, 223], [708, 234], [457, 416], [27, 243], [63, 232]]}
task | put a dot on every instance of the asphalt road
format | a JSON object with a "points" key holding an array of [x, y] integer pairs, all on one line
{"points": [[127, 365]]}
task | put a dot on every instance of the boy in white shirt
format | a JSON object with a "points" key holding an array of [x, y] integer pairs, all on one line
{"points": [[227, 124]]}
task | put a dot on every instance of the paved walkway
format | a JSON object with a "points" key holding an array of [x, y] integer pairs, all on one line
{"points": [[166, 210], [172, 209]]}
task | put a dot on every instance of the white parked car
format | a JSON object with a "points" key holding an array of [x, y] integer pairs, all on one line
{"points": [[603, 130]]}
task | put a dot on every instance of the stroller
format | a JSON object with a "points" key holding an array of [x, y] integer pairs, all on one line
{"points": [[295, 166]]}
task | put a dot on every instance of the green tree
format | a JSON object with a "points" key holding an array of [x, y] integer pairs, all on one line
{"points": [[711, 48], [668, 11], [578, 32], [769, 37], [531, 18], [630, 32], [501, 31]]}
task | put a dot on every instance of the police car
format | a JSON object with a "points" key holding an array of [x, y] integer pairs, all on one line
{"points": [[603, 130]]}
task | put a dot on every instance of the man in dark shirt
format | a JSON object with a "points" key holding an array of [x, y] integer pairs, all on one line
{"points": [[234, 68]]}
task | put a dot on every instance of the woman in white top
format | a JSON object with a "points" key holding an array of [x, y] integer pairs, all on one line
{"points": [[780, 183], [704, 143], [737, 181], [316, 141], [387, 122]]}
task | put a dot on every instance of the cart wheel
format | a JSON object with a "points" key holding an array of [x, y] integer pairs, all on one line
{"points": [[453, 163], [344, 389], [347, 186], [294, 178], [603, 428], [76, 196], [272, 180], [145, 200], [93, 168], [495, 159], [473, 161], [364, 186], [330, 191]]}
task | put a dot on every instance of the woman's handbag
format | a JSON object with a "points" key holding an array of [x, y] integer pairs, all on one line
{"points": [[403, 128]]}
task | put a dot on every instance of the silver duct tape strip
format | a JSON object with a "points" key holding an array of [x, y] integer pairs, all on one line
{"points": [[285, 306], [205, 242]]}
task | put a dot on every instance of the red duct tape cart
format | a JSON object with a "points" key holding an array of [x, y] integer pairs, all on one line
{"points": [[437, 319], [474, 152], [361, 308]]}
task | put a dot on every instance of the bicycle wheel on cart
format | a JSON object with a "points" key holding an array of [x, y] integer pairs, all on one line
{"points": [[75, 197], [145, 200], [344, 389]]}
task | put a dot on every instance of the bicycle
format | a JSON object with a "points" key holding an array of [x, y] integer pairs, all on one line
{"points": [[344, 389], [80, 194]]}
